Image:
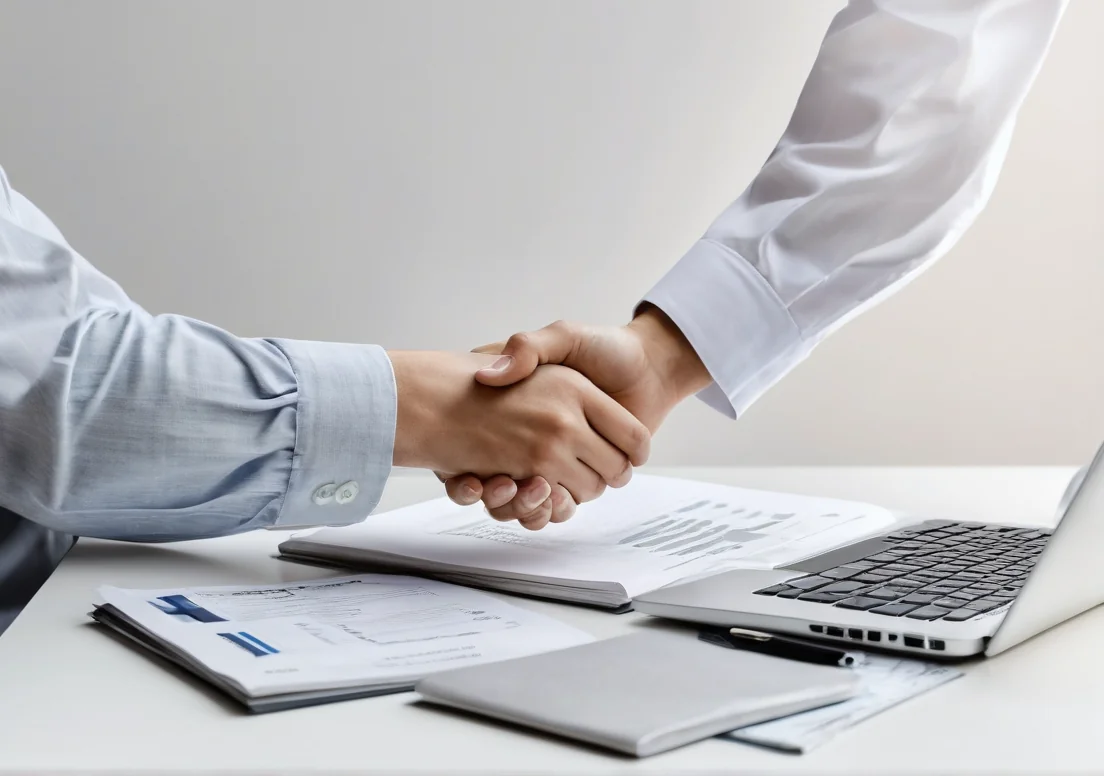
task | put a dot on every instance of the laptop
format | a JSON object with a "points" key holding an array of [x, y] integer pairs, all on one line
{"points": [[938, 588]]}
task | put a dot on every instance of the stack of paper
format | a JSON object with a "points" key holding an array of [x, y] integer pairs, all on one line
{"points": [[283, 646], [653, 532]]}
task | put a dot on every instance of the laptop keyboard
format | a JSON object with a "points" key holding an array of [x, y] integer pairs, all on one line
{"points": [[946, 571]]}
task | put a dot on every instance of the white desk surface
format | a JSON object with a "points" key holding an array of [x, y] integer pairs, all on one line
{"points": [[74, 699]]}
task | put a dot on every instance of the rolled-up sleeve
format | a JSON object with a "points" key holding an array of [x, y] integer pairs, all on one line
{"points": [[120, 424], [892, 151]]}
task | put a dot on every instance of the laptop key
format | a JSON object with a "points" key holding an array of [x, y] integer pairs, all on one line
{"points": [[886, 593], [929, 612], [946, 568], [965, 594], [902, 535], [894, 610], [840, 572], [958, 581], [958, 615], [846, 586], [791, 592], [869, 577], [902, 566], [809, 583], [918, 598], [948, 603], [983, 587], [984, 604], [912, 584], [772, 590], [860, 602], [882, 557], [865, 564], [821, 597]]}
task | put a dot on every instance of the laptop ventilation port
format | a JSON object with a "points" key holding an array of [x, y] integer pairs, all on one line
{"points": [[914, 641], [816, 628], [854, 633], [874, 635], [831, 631]]}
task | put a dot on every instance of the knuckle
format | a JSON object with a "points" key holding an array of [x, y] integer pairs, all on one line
{"points": [[519, 341], [592, 490], [622, 472], [542, 457], [538, 518], [641, 442], [563, 423], [556, 427]]}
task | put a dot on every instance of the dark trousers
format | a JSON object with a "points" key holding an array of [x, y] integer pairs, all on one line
{"points": [[29, 553]]}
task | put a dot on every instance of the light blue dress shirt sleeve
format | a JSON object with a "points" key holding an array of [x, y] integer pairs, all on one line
{"points": [[120, 424]]}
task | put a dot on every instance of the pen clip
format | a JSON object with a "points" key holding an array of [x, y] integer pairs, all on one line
{"points": [[743, 633]]}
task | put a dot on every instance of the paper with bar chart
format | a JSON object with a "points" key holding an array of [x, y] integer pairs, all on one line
{"points": [[365, 634], [653, 532]]}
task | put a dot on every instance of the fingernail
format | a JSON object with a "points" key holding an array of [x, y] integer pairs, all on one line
{"points": [[501, 492], [624, 477], [535, 497], [468, 493], [501, 364]]}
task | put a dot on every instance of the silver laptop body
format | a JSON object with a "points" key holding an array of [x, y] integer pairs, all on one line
{"points": [[938, 588]]}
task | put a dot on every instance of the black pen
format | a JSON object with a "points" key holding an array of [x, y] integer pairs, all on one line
{"points": [[780, 646]]}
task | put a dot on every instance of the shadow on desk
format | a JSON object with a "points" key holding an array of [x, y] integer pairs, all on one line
{"points": [[29, 553], [104, 553]]}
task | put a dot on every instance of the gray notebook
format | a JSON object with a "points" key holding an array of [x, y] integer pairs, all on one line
{"points": [[640, 694]]}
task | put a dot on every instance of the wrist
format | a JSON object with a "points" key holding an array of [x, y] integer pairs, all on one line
{"points": [[413, 410], [679, 369]]}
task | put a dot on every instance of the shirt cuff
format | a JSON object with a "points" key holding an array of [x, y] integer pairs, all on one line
{"points": [[345, 432], [734, 320]]}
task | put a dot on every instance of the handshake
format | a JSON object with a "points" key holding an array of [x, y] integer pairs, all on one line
{"points": [[546, 420]]}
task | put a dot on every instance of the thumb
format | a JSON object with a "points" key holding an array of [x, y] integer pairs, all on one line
{"points": [[525, 351]]}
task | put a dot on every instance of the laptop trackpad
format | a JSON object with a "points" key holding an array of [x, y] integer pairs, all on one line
{"points": [[838, 557]]}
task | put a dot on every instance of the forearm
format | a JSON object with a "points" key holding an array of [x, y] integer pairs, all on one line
{"points": [[162, 428]]}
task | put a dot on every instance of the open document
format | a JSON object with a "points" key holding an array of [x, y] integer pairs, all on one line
{"points": [[302, 643], [653, 532]]}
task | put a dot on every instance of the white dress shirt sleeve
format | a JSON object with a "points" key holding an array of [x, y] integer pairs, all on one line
{"points": [[893, 149]]}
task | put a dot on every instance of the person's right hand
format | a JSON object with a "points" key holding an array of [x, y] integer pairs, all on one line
{"points": [[648, 366], [555, 425]]}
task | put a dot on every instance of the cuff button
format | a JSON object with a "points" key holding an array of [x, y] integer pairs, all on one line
{"points": [[324, 494], [347, 492]]}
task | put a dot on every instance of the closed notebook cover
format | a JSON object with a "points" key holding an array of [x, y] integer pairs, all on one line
{"points": [[640, 694]]}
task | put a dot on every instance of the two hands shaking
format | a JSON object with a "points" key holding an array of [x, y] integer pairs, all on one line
{"points": [[552, 417]]}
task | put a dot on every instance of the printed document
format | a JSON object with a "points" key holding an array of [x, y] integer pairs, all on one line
{"points": [[885, 682], [360, 631], [655, 531]]}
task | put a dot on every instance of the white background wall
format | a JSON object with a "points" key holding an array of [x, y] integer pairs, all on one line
{"points": [[430, 174]]}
